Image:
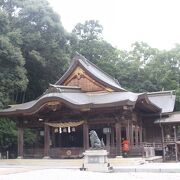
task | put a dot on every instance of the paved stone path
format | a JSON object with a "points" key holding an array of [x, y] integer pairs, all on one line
{"points": [[119, 165]]}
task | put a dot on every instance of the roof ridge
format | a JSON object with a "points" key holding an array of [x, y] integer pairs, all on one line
{"points": [[93, 70], [87, 61], [161, 92]]}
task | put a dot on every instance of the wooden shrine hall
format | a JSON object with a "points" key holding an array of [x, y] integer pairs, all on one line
{"points": [[86, 98]]}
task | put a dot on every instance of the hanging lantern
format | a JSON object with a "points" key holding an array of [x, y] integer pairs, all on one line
{"points": [[73, 129], [41, 133], [69, 129], [56, 130], [60, 130], [64, 130]]}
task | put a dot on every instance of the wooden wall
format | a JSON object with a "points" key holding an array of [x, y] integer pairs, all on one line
{"points": [[151, 131], [81, 79]]}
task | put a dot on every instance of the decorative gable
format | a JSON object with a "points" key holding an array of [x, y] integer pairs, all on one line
{"points": [[88, 77], [81, 79]]}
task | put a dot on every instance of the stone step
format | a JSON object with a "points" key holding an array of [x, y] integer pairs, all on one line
{"points": [[126, 161]]}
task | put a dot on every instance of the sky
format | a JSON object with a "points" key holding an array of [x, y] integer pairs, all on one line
{"points": [[156, 22]]}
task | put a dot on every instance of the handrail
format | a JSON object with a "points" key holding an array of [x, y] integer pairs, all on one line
{"points": [[154, 144]]}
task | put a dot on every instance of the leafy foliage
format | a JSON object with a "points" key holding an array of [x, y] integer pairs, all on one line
{"points": [[8, 135], [43, 43], [90, 30], [142, 69], [12, 71], [35, 50]]}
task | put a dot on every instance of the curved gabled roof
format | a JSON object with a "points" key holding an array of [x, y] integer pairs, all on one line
{"points": [[92, 70], [79, 101]]}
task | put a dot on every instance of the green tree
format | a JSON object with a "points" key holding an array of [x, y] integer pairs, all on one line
{"points": [[44, 42], [133, 63], [89, 42], [148, 69], [8, 135], [12, 71], [34, 50], [89, 30]]}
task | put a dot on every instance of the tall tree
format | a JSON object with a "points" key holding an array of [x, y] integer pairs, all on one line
{"points": [[141, 69], [33, 47], [44, 44], [132, 65], [12, 71], [90, 43]]}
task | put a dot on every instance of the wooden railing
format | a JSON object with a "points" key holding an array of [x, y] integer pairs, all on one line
{"points": [[156, 145], [169, 140]]}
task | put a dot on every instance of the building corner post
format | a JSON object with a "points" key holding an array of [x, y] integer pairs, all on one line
{"points": [[118, 138], [46, 141], [20, 140]]}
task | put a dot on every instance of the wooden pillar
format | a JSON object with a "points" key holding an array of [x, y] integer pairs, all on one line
{"points": [[60, 140], [112, 137], [163, 148], [20, 142], [36, 143], [46, 141], [175, 141], [85, 136], [131, 134], [136, 135], [140, 133], [53, 137], [118, 138], [128, 130], [108, 139]]}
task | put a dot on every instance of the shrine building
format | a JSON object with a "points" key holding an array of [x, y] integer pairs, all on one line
{"points": [[86, 98]]}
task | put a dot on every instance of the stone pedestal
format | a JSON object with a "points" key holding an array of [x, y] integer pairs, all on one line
{"points": [[96, 160], [149, 151]]}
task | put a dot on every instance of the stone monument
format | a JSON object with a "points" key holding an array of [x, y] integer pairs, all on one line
{"points": [[95, 159]]}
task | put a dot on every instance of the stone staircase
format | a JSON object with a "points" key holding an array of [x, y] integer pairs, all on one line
{"points": [[120, 161]]}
